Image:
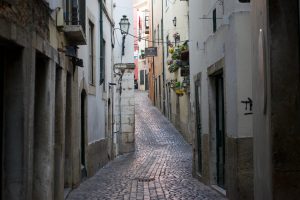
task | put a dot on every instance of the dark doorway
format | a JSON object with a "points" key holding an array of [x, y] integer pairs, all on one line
{"points": [[12, 122], [146, 81], [159, 92], [68, 134], [59, 137], [155, 91], [198, 125], [83, 133], [220, 130], [170, 104]]}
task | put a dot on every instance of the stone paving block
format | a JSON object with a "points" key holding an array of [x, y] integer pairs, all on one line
{"points": [[161, 167]]}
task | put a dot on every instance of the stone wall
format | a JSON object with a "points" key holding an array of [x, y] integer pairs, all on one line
{"points": [[239, 168], [125, 108], [97, 156], [28, 14]]}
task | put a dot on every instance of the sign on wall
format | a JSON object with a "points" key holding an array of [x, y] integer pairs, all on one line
{"points": [[151, 51]]}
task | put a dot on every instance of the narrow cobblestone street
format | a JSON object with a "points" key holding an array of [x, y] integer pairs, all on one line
{"points": [[159, 169]]}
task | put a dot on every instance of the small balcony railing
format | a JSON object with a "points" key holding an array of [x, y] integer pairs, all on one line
{"points": [[74, 28]]}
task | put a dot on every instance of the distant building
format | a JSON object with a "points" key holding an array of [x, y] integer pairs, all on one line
{"points": [[176, 65], [142, 26]]}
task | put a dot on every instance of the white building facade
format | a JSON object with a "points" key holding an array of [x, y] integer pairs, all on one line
{"points": [[93, 86], [221, 95], [176, 36], [142, 31]]}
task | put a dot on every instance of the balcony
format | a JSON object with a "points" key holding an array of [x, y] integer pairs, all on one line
{"points": [[74, 34], [72, 24]]}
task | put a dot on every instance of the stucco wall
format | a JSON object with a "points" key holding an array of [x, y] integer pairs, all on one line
{"points": [[230, 44], [97, 94]]}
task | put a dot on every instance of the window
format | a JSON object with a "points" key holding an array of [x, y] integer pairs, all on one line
{"points": [[146, 24], [91, 54], [142, 55], [162, 31], [214, 20], [167, 39], [74, 13], [158, 34], [102, 63], [82, 13], [153, 38], [142, 77]]}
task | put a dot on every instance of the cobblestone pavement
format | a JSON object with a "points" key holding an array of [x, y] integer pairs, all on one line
{"points": [[159, 169]]}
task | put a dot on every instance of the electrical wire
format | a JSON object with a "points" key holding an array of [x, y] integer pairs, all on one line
{"points": [[153, 41]]}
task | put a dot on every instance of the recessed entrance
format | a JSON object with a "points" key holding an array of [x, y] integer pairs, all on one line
{"points": [[220, 130], [83, 133], [12, 122], [68, 169], [198, 126]]}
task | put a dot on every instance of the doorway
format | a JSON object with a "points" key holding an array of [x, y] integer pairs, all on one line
{"points": [[220, 130], [59, 137], [12, 121], [68, 134], [83, 133], [146, 81], [198, 125]]}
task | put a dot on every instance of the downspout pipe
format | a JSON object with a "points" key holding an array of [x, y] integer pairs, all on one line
{"points": [[163, 56], [153, 66], [101, 36]]}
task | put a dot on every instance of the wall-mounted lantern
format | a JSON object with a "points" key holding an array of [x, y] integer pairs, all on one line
{"points": [[124, 27]]}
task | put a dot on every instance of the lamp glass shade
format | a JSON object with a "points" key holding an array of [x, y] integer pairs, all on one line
{"points": [[124, 25]]}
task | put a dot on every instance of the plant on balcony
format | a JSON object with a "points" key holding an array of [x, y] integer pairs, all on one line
{"points": [[184, 52], [178, 89], [173, 68], [179, 57]]}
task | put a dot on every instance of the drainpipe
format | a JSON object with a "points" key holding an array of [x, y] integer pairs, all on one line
{"points": [[153, 67], [163, 56], [101, 33]]}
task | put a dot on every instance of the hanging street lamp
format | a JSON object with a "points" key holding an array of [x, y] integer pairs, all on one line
{"points": [[124, 27]]}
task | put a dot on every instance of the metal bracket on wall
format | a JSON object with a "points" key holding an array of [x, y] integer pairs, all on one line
{"points": [[250, 103]]}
